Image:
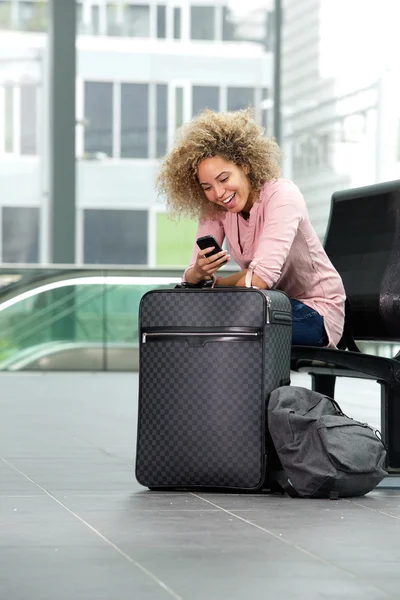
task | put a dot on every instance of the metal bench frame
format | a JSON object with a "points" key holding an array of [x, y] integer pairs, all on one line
{"points": [[324, 365]]}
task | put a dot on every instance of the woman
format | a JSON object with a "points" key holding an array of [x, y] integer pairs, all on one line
{"points": [[226, 173]]}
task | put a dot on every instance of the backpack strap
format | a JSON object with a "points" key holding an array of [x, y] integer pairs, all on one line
{"points": [[280, 483]]}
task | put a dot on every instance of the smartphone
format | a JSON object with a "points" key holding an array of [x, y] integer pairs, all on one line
{"points": [[206, 242]]}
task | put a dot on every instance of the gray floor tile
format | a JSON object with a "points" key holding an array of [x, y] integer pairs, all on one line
{"points": [[77, 525]]}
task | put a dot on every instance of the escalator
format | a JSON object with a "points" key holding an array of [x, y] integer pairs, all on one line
{"points": [[73, 319]]}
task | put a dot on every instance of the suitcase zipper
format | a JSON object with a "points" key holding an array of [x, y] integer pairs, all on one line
{"points": [[197, 334]]}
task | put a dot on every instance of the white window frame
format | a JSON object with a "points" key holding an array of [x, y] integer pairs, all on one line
{"points": [[2, 120], [218, 23], [17, 119]]}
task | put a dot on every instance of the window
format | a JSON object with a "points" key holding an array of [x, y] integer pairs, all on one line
{"points": [[182, 232], [134, 120], [177, 23], [228, 26], [239, 98], [137, 20], [115, 237], [34, 15], [264, 110], [20, 231], [113, 27], [79, 18], [28, 119], [99, 118], [161, 22], [204, 96], [178, 107], [202, 23], [5, 15], [25, 14], [325, 148], [95, 20], [161, 119]]}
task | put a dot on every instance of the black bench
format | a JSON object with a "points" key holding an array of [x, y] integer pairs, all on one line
{"points": [[363, 242]]}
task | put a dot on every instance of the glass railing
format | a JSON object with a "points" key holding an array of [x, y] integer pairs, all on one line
{"points": [[72, 318], [81, 319]]}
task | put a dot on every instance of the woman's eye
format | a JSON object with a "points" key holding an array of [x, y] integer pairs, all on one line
{"points": [[224, 179]]}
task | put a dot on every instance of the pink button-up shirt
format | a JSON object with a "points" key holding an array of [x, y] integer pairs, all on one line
{"points": [[279, 244]]}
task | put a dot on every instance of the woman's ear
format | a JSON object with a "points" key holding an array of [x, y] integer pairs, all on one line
{"points": [[246, 169]]}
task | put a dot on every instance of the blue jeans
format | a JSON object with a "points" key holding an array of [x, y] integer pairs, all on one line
{"points": [[307, 326]]}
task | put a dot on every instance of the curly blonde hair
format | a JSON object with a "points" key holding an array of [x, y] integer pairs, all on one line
{"points": [[235, 137]]}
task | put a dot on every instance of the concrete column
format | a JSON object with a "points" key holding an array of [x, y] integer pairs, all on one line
{"points": [[61, 89]]}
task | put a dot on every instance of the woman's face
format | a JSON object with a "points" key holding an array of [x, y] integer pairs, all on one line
{"points": [[225, 184]]}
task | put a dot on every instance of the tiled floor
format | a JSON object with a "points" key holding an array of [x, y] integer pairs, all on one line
{"points": [[74, 523]]}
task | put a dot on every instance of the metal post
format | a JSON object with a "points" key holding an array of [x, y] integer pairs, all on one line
{"points": [[62, 75], [277, 70]]}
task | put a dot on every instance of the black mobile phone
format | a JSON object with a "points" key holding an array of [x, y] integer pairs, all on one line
{"points": [[206, 242]]}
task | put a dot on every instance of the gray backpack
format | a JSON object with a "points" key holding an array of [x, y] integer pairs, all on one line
{"points": [[324, 453]]}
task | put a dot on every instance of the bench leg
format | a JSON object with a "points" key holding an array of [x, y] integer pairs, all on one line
{"points": [[324, 384], [390, 425]]}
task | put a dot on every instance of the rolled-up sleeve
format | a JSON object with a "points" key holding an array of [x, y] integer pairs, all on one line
{"points": [[283, 215], [206, 227]]}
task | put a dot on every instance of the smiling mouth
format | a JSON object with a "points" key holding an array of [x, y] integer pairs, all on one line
{"points": [[229, 200]]}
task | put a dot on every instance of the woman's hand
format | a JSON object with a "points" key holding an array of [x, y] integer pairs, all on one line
{"points": [[204, 267]]}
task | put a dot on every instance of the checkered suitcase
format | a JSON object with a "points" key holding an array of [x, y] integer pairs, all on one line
{"points": [[208, 361]]}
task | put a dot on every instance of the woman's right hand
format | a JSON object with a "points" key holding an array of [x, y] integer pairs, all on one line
{"points": [[204, 268]]}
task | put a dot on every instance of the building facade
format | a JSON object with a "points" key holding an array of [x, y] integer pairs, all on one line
{"points": [[340, 101], [142, 71]]}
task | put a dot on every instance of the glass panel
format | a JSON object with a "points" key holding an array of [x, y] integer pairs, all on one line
{"points": [[204, 97], [240, 97], [79, 18], [95, 20], [5, 14], [28, 119], [178, 107], [25, 14], [9, 118], [115, 237], [161, 22], [177, 23], [264, 110], [202, 22], [161, 119], [113, 27], [20, 234], [137, 20], [34, 15], [228, 26], [134, 120], [99, 117], [255, 26], [174, 241], [60, 320]]}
